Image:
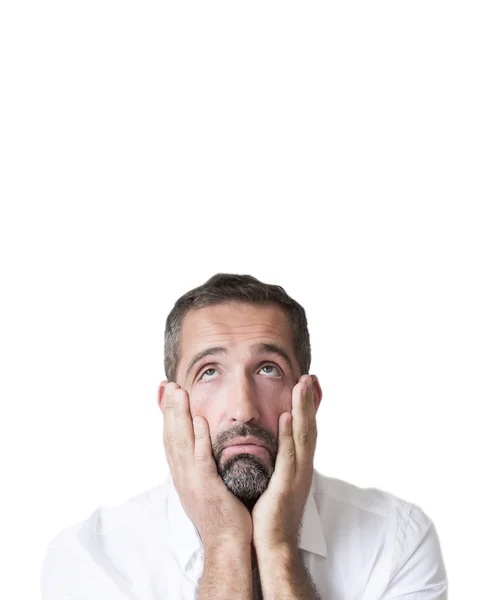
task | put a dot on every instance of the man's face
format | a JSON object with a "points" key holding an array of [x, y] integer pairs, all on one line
{"points": [[238, 366]]}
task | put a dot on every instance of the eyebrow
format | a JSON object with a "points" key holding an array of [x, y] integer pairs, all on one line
{"points": [[271, 349], [260, 348], [203, 353]]}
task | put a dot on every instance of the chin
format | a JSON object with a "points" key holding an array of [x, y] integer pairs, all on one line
{"points": [[246, 476]]}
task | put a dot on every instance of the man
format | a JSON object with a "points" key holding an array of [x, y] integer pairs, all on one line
{"points": [[244, 514]]}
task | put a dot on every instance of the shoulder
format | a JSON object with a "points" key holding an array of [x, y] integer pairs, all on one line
{"points": [[337, 494], [136, 512], [369, 510], [95, 556], [395, 527]]}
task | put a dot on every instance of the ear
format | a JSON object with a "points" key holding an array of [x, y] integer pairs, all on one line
{"points": [[161, 393], [316, 391]]}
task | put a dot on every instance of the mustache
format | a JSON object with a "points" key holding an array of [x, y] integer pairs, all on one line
{"points": [[245, 430]]}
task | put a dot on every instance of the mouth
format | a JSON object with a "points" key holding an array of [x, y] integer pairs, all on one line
{"points": [[246, 446]]}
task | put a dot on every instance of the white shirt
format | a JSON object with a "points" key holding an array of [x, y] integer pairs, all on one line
{"points": [[357, 544]]}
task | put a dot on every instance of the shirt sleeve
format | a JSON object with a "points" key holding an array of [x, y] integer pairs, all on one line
{"points": [[69, 573], [419, 572]]}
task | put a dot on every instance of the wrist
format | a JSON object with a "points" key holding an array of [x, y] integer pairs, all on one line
{"points": [[227, 570], [228, 555], [285, 553], [227, 546]]}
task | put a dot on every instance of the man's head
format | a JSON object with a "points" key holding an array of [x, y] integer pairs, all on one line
{"points": [[238, 347]]}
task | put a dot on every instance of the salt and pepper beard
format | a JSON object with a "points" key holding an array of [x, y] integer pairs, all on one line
{"points": [[246, 475]]}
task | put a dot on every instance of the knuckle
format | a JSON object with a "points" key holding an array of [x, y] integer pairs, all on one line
{"points": [[179, 404], [170, 438], [202, 457], [304, 438], [182, 444]]}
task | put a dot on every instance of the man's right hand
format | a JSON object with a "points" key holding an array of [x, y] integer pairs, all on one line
{"points": [[218, 515]]}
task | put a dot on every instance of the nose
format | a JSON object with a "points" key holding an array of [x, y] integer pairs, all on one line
{"points": [[242, 401]]}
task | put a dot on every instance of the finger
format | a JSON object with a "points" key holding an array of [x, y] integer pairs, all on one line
{"points": [[285, 464], [309, 395], [183, 426], [169, 426], [167, 402], [309, 406], [167, 406], [300, 421], [202, 445]]}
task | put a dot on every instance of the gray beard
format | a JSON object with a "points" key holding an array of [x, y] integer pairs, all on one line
{"points": [[246, 475]]}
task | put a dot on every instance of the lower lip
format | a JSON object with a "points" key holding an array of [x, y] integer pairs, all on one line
{"points": [[246, 449]]}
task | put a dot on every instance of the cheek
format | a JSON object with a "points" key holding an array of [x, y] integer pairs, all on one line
{"points": [[275, 402], [204, 405]]}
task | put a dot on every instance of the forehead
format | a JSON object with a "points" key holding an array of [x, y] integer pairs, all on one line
{"points": [[234, 325]]}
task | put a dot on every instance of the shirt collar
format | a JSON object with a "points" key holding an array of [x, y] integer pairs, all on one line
{"points": [[187, 542]]}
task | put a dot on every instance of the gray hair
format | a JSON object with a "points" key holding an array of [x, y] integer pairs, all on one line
{"points": [[223, 288]]}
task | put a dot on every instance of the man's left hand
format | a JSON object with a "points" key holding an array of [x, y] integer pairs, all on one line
{"points": [[277, 514]]}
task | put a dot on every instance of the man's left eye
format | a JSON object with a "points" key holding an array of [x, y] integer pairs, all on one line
{"points": [[269, 370]]}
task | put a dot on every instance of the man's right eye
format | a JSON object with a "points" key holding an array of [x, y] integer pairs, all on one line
{"points": [[209, 373]]}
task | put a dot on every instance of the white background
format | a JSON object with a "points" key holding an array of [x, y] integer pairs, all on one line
{"points": [[336, 151]]}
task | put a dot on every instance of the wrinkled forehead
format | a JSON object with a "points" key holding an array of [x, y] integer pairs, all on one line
{"points": [[236, 326]]}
